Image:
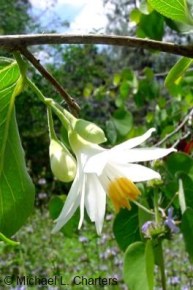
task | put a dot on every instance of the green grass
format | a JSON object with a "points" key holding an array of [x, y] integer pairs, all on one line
{"points": [[43, 254]]}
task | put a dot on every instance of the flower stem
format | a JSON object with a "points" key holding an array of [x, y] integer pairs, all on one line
{"points": [[156, 208], [50, 103], [37, 91], [51, 125], [143, 207], [171, 201], [159, 251], [161, 265], [67, 119]]}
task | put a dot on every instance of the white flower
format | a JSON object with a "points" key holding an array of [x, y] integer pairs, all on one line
{"points": [[111, 172]]}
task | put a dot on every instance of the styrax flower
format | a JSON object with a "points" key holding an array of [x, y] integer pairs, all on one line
{"points": [[110, 172]]}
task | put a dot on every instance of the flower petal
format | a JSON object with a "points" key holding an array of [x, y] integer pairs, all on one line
{"points": [[135, 172], [134, 141], [140, 155], [82, 202], [95, 201], [96, 163], [70, 206]]}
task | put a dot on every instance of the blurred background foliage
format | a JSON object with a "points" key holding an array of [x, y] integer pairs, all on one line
{"points": [[121, 89]]}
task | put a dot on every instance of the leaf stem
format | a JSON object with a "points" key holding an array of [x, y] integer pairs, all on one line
{"points": [[156, 208], [159, 246], [8, 241], [21, 63], [171, 201]]}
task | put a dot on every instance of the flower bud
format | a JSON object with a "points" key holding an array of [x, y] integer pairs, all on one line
{"points": [[63, 164], [89, 131]]}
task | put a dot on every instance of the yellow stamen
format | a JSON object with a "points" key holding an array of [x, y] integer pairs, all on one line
{"points": [[120, 191]]}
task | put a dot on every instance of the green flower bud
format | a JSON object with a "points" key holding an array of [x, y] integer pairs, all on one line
{"points": [[89, 131], [63, 164]]}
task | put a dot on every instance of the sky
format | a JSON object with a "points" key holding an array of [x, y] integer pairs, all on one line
{"points": [[84, 16]]}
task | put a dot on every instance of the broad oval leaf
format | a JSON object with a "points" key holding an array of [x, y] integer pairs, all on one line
{"points": [[111, 131], [126, 227], [138, 266], [16, 187], [179, 162], [123, 121], [151, 25], [173, 9], [177, 71]]}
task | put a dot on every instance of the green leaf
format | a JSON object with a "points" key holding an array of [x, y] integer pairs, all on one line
{"points": [[187, 230], [151, 25], [123, 121], [126, 228], [181, 196], [4, 61], [88, 89], [55, 206], [16, 187], [177, 71], [138, 267], [188, 189], [148, 72], [116, 79], [135, 15], [124, 89], [180, 162], [174, 9], [179, 26], [127, 74], [147, 90], [111, 131]]}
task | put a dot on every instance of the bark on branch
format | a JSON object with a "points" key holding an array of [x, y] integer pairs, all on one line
{"points": [[73, 106], [12, 42]]}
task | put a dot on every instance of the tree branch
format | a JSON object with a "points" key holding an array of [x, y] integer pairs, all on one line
{"points": [[186, 119], [70, 101], [12, 42]]}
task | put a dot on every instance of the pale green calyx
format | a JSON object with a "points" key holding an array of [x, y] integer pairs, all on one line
{"points": [[85, 129], [89, 131], [63, 164]]}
